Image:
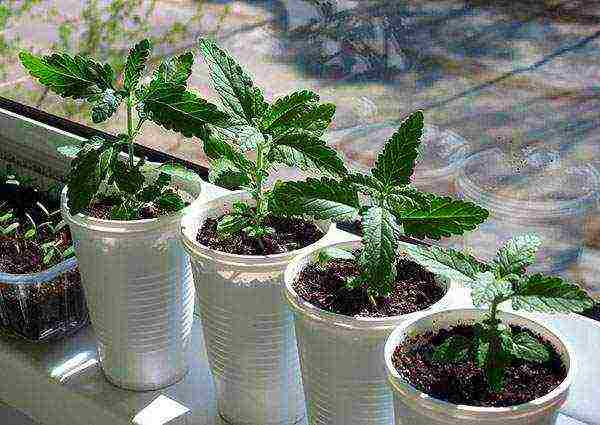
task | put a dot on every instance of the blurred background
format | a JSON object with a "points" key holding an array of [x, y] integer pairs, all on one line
{"points": [[518, 76]]}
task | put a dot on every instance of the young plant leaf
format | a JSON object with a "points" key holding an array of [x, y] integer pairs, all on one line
{"points": [[516, 254], [364, 184], [232, 223], [104, 105], [528, 348], [175, 108], [136, 63], [307, 153], [442, 217], [288, 108], [175, 70], [325, 255], [377, 260], [77, 76], [322, 199], [395, 164], [546, 294], [225, 174], [128, 180], [216, 148], [87, 172], [451, 264], [454, 349], [487, 289], [69, 252], [170, 201], [233, 84], [169, 170]]}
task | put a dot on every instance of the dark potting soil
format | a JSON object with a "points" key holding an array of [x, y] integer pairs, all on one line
{"points": [[289, 234], [324, 287], [464, 383], [101, 209], [39, 312]]}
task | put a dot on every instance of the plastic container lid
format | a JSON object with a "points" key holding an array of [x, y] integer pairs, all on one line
{"points": [[441, 152], [532, 180]]}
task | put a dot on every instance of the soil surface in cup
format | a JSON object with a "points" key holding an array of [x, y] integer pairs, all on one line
{"points": [[289, 234], [324, 286], [101, 208], [462, 382]]}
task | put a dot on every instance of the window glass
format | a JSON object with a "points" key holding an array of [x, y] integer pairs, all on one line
{"points": [[516, 75]]}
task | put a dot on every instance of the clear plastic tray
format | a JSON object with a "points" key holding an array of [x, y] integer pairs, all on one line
{"points": [[533, 190], [45, 305]]}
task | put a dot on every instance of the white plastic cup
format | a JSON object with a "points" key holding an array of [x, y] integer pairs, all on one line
{"points": [[340, 356], [140, 294], [248, 329], [413, 407]]}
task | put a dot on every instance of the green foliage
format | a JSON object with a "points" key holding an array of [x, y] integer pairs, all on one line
{"points": [[252, 137], [97, 171], [504, 279], [394, 207]]}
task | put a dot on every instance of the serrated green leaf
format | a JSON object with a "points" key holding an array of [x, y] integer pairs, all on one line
{"points": [[77, 76], [325, 255], [104, 105], [170, 201], [307, 153], [121, 212], [454, 349], [177, 109], [179, 171], [395, 164], [516, 254], [245, 136], [232, 223], [128, 180], [287, 108], [29, 234], [322, 199], [69, 252], [365, 184], [215, 148], [6, 217], [232, 83], [451, 264], [487, 289], [377, 259], [225, 174], [148, 193], [136, 63], [549, 294], [87, 172], [526, 347], [10, 228], [314, 122], [441, 217], [175, 70]]}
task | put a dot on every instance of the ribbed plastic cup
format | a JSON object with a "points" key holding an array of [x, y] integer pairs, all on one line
{"points": [[539, 192], [32, 306], [248, 329], [341, 357], [140, 293], [413, 407]]}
